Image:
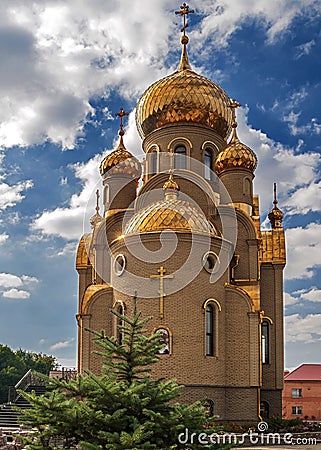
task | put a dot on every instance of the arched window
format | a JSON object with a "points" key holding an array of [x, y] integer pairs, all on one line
{"points": [[164, 340], [152, 163], [208, 157], [265, 342], [180, 157], [210, 325]]}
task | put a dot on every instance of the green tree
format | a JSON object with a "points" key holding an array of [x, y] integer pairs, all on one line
{"points": [[122, 409], [13, 366]]}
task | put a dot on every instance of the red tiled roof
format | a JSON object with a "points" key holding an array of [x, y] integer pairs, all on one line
{"points": [[305, 372]]}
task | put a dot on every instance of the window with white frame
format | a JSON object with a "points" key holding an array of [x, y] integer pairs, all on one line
{"points": [[296, 393]]}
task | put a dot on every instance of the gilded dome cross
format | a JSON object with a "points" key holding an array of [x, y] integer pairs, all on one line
{"points": [[161, 275], [184, 11], [233, 105], [121, 114]]}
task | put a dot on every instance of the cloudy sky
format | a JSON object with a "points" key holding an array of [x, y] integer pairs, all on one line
{"points": [[67, 67]]}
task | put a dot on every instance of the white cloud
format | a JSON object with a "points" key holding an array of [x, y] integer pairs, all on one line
{"points": [[303, 295], [28, 280], [303, 251], [3, 238], [10, 285], [56, 56], [16, 294], [11, 195], [304, 49], [305, 199], [311, 295], [303, 329], [312, 127], [9, 280], [224, 18], [289, 299], [62, 344], [69, 249]]}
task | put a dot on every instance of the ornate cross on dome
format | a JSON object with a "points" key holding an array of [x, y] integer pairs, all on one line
{"points": [[184, 11], [121, 114], [233, 105], [161, 275]]}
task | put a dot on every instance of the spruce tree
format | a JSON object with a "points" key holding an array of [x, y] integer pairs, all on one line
{"points": [[122, 409]]}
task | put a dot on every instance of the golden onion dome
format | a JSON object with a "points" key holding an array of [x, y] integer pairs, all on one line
{"points": [[121, 161], [235, 155], [184, 97], [170, 213]]}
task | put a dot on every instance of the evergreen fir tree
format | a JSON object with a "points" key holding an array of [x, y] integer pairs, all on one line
{"points": [[120, 410]]}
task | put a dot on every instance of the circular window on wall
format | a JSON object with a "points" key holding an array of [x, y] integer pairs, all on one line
{"points": [[211, 262], [119, 264]]}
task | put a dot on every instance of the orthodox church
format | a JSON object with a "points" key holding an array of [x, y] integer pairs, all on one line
{"points": [[181, 233]]}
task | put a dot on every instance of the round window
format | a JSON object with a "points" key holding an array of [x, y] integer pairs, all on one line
{"points": [[119, 264], [210, 262]]}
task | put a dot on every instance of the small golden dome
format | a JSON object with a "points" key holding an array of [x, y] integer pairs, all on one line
{"points": [[184, 97], [236, 154], [121, 161], [169, 214]]}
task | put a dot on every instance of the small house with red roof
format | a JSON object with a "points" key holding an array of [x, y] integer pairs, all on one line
{"points": [[302, 393]]}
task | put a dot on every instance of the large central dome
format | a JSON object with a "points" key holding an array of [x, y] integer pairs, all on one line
{"points": [[184, 97]]}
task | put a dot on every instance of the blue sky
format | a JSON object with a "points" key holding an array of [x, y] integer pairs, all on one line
{"points": [[68, 66]]}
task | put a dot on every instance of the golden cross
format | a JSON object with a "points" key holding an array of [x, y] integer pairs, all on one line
{"points": [[161, 275], [97, 201], [121, 114], [184, 11], [275, 201], [233, 105]]}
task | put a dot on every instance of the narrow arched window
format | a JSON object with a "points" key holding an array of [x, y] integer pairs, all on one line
{"points": [[119, 323], [209, 324], [180, 157], [164, 341], [208, 164], [152, 163], [265, 342]]}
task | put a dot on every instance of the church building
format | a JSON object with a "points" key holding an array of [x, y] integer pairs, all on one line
{"points": [[181, 233]]}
